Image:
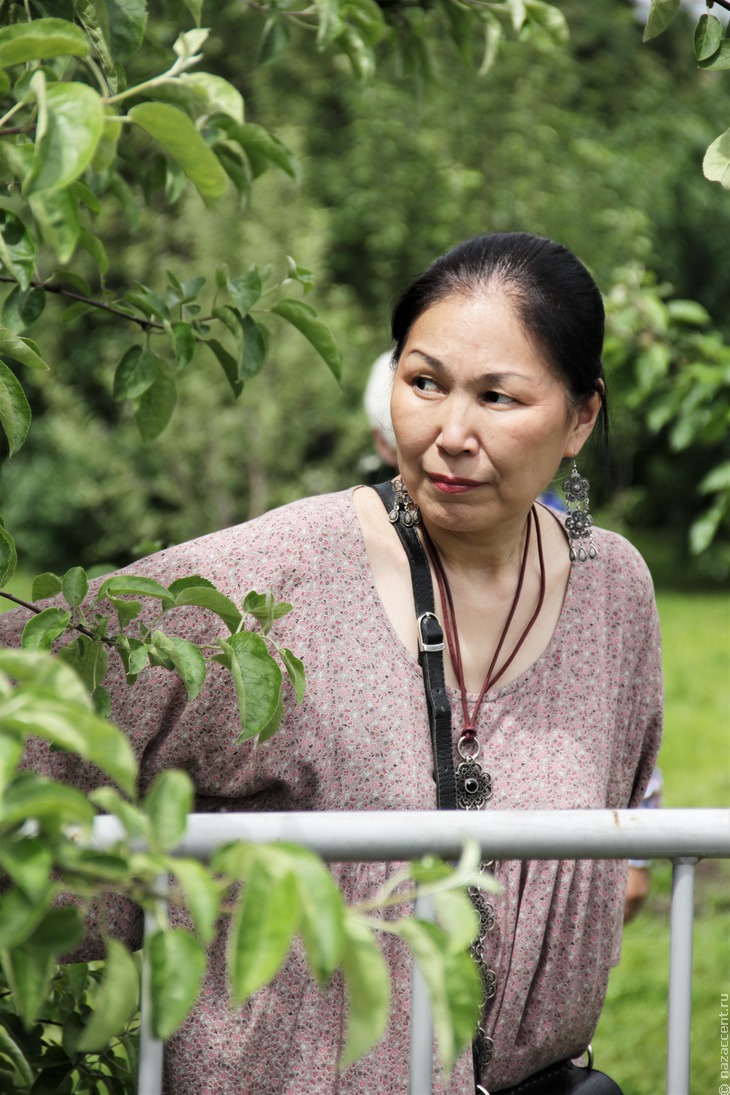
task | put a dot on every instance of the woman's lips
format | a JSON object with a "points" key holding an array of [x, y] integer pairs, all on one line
{"points": [[453, 484]]}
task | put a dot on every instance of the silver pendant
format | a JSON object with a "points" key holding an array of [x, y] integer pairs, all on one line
{"points": [[473, 784]]}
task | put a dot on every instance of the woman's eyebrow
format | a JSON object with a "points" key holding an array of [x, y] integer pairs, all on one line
{"points": [[485, 378]]}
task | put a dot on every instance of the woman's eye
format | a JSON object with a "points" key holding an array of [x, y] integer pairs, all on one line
{"points": [[425, 384], [498, 397]]}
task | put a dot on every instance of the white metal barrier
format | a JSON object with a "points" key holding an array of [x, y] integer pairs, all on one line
{"points": [[683, 836]]}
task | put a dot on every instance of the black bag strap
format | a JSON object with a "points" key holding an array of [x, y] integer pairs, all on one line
{"points": [[430, 656]]}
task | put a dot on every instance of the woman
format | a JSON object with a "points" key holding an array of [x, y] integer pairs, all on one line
{"points": [[552, 671]]}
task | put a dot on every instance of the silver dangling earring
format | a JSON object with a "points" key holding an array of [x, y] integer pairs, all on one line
{"points": [[403, 504], [579, 523]]}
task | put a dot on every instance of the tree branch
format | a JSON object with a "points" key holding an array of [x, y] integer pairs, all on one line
{"points": [[61, 290], [19, 601]]}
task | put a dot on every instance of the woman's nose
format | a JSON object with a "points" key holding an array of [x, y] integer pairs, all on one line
{"points": [[456, 434]]}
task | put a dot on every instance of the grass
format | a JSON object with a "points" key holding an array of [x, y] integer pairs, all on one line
{"points": [[695, 760]]}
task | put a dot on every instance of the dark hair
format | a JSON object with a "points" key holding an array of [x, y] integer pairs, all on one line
{"points": [[556, 299]]}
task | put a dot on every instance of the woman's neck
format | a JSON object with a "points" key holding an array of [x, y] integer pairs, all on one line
{"points": [[495, 553]]}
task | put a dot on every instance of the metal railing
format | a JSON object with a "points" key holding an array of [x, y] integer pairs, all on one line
{"points": [[682, 836]]}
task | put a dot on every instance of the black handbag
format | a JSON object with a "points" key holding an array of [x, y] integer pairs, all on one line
{"points": [[564, 1078]]}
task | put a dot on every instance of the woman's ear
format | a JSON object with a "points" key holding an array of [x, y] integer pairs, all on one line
{"points": [[585, 419]]}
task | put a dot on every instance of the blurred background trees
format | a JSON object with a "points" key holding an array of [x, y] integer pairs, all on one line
{"points": [[596, 140]]}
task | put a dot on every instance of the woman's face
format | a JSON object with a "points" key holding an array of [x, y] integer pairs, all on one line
{"points": [[480, 420]]}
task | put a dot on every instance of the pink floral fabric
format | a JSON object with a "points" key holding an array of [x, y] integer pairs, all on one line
{"points": [[579, 729]]}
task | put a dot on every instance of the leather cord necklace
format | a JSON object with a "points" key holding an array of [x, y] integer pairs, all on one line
{"points": [[473, 784]]}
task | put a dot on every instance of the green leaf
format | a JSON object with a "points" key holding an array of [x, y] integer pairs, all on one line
{"points": [[167, 805], [135, 585], [314, 330], [32, 797], [40, 40], [690, 312], [719, 60], [126, 21], [57, 214], [194, 581], [229, 365], [264, 922], [295, 671], [135, 656], [45, 585], [13, 1052], [67, 723], [207, 596], [274, 722], [17, 248], [95, 248], [28, 863], [177, 963], [102, 702], [135, 373], [201, 896], [108, 799], [42, 630], [716, 163], [29, 972], [254, 348], [550, 18], [15, 412], [20, 349], [86, 13], [661, 14], [187, 659], [75, 586], [330, 23], [453, 985], [59, 930], [260, 145], [21, 308], [184, 344], [46, 675], [116, 1001], [368, 989], [717, 479], [183, 142], [220, 96], [245, 290], [703, 531], [492, 41], [106, 148], [708, 35], [195, 7], [19, 916], [322, 911], [257, 680], [8, 556], [155, 406], [68, 132]]}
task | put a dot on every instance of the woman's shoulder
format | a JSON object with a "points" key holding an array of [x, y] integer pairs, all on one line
{"points": [[286, 535], [620, 568]]}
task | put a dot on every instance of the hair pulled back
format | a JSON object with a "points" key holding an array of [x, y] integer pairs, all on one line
{"points": [[557, 301]]}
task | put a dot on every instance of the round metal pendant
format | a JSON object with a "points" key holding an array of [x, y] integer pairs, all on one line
{"points": [[473, 785]]}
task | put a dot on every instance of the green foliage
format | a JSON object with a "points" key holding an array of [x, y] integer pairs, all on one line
{"points": [[712, 50], [47, 849], [671, 371], [80, 138]]}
